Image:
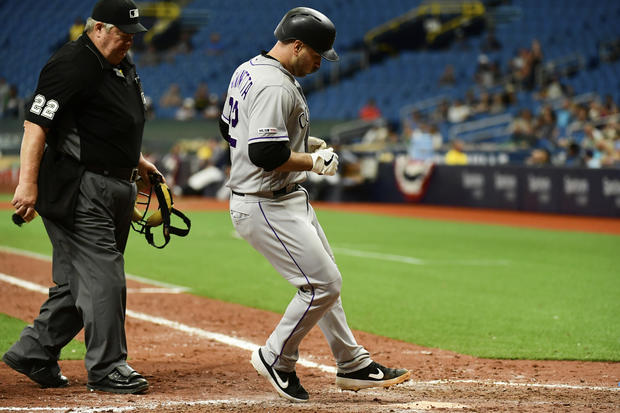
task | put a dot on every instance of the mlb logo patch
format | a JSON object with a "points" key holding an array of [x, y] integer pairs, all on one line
{"points": [[267, 131], [133, 13]]}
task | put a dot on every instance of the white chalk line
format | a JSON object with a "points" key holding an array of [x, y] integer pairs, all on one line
{"points": [[164, 288], [416, 261], [508, 384], [135, 406], [418, 405]]}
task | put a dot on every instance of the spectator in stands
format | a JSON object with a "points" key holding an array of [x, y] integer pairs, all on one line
{"points": [[171, 97], [448, 77], [580, 120], [201, 97], [611, 129], [610, 106], [182, 47], [539, 157], [485, 74], [150, 57], [564, 114], [553, 89], [377, 134], [546, 128], [470, 100], [497, 103], [490, 43], [186, 111], [215, 46], [535, 60], [522, 129], [370, 111], [573, 156], [484, 103], [456, 155], [422, 143], [591, 160], [214, 107], [595, 142], [524, 66], [76, 29], [458, 111], [4, 94], [14, 106], [440, 114]]}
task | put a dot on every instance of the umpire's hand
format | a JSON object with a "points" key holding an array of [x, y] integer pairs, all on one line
{"points": [[24, 199]]}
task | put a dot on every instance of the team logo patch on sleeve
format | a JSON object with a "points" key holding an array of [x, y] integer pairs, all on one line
{"points": [[267, 131]]}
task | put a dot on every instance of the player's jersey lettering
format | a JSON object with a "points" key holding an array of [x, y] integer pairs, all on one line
{"points": [[243, 82]]}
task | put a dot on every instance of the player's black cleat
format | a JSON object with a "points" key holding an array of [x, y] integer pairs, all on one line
{"points": [[45, 374], [123, 379], [375, 375], [286, 384]]}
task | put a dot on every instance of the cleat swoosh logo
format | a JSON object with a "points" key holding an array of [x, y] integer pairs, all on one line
{"points": [[282, 384], [326, 163], [378, 376]]}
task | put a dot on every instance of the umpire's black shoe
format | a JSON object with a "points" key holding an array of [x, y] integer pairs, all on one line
{"points": [[123, 379], [286, 384], [45, 374], [375, 375]]}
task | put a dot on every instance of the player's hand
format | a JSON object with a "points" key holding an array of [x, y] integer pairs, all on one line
{"points": [[324, 161], [315, 144]]}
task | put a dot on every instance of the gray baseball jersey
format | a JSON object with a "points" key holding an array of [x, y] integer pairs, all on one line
{"points": [[265, 103]]}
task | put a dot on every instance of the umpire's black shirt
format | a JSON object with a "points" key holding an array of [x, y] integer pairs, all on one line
{"points": [[95, 111]]}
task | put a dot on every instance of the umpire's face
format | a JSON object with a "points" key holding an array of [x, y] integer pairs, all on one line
{"points": [[114, 44]]}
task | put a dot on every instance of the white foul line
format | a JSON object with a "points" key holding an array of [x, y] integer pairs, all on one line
{"points": [[164, 287], [416, 261], [379, 256], [136, 406], [510, 384]]}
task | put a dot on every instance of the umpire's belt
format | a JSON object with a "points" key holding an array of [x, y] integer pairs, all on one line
{"points": [[273, 194], [126, 174]]}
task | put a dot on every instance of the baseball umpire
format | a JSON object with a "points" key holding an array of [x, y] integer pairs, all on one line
{"points": [[80, 157], [266, 122]]}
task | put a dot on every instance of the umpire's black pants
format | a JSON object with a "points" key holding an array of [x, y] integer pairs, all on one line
{"points": [[88, 270]]}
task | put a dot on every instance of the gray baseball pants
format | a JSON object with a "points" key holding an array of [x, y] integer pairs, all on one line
{"points": [[88, 270], [286, 231]]}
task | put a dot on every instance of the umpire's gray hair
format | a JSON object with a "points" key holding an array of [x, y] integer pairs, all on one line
{"points": [[90, 25]]}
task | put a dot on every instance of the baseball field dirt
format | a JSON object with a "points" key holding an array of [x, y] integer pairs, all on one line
{"points": [[195, 351]]}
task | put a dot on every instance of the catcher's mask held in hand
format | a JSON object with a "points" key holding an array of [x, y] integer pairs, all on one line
{"points": [[143, 224]]}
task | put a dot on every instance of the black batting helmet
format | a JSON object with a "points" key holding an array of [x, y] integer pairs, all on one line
{"points": [[311, 27]]}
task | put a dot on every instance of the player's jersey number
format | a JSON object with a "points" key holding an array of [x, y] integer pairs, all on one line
{"points": [[40, 107], [233, 113], [233, 119]]}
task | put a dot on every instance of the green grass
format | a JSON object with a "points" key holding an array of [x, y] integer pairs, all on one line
{"points": [[10, 329], [485, 290]]}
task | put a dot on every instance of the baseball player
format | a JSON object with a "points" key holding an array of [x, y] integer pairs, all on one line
{"points": [[266, 122]]}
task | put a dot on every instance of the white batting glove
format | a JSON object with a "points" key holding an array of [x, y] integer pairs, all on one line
{"points": [[324, 161], [315, 144]]}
